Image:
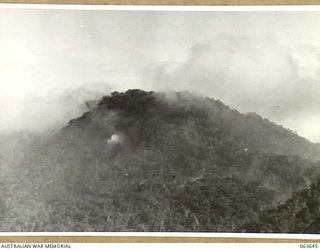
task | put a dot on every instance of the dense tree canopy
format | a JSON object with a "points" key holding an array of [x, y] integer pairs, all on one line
{"points": [[179, 162]]}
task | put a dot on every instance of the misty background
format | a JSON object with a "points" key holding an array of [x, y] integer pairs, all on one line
{"points": [[52, 61]]}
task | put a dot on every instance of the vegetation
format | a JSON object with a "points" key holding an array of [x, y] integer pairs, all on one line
{"points": [[299, 214], [145, 161]]}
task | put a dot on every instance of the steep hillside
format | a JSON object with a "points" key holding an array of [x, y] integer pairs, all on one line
{"points": [[249, 131], [145, 161]]}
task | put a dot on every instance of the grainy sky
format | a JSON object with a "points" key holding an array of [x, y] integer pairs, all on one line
{"points": [[53, 60]]}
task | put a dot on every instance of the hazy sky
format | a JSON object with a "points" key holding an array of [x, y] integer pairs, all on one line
{"points": [[53, 60]]}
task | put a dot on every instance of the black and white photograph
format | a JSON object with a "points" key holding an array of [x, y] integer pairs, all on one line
{"points": [[159, 120]]}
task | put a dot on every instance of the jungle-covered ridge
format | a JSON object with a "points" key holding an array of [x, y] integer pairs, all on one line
{"points": [[160, 161]]}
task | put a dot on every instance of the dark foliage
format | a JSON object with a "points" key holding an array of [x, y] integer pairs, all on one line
{"points": [[299, 214], [145, 161]]}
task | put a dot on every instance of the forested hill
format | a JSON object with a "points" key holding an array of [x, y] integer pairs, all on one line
{"points": [[246, 131], [145, 161]]}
